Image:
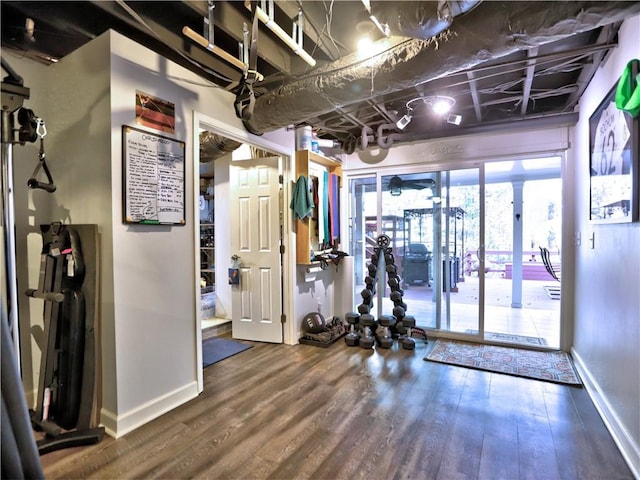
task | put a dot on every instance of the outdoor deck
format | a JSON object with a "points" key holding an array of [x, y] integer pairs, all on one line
{"points": [[539, 316]]}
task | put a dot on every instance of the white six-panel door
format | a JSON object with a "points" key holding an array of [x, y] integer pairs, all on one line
{"points": [[255, 238]]}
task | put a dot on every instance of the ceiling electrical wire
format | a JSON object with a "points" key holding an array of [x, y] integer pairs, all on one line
{"points": [[321, 35], [329, 19]]}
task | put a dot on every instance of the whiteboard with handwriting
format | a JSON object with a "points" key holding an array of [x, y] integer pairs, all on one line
{"points": [[153, 174]]}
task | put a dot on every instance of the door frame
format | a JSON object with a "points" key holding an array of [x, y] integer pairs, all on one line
{"points": [[202, 121]]}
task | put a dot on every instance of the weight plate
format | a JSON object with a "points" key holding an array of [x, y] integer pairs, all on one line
{"points": [[384, 241], [408, 343], [351, 339], [366, 342]]}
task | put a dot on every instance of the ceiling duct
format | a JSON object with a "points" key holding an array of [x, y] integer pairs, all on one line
{"points": [[420, 19], [492, 30], [214, 146]]}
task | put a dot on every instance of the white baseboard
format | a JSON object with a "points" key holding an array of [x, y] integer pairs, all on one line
{"points": [[628, 448], [118, 425]]}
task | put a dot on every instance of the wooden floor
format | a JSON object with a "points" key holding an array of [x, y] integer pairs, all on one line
{"points": [[296, 412]]}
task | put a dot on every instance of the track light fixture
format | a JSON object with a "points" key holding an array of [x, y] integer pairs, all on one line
{"points": [[440, 104], [404, 121], [454, 119]]}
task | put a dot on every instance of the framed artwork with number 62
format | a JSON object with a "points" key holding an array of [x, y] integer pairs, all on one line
{"points": [[613, 163]]}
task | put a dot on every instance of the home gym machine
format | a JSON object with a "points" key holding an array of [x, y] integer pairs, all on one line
{"points": [[364, 329], [67, 372]]}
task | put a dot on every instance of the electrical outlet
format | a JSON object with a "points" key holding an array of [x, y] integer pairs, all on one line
{"points": [[578, 239]]}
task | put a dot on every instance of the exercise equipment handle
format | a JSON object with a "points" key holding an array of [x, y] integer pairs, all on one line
{"points": [[33, 183], [56, 297], [42, 163]]}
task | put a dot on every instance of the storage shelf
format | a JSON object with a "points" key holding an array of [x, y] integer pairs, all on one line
{"points": [[303, 236], [207, 253]]}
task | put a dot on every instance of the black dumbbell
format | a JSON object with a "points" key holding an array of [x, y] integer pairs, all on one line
{"points": [[396, 296], [364, 308], [407, 342], [367, 295], [367, 322], [385, 339], [398, 312], [352, 337], [369, 282]]}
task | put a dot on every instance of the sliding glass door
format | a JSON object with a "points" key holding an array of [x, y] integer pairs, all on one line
{"points": [[466, 246], [429, 220], [523, 205]]}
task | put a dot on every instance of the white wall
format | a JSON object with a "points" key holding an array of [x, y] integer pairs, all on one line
{"points": [[149, 333], [75, 109], [607, 300], [457, 150]]}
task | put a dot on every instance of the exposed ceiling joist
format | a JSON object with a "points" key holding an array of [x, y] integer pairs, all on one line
{"points": [[606, 36], [486, 59], [317, 33], [230, 20], [198, 58], [534, 96], [474, 95], [528, 80], [406, 63]]}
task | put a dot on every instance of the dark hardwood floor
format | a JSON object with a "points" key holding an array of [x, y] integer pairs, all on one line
{"points": [[296, 412]]}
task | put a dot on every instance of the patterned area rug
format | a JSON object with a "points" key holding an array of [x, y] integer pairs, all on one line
{"points": [[506, 337], [548, 366]]}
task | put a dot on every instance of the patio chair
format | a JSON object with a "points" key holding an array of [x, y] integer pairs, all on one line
{"points": [[546, 259]]}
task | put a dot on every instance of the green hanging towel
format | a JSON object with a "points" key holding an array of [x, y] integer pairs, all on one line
{"points": [[301, 200], [628, 91]]}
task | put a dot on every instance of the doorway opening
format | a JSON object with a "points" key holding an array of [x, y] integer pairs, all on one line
{"points": [[215, 151], [228, 150], [249, 239]]}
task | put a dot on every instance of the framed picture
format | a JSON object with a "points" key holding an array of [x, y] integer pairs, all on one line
{"points": [[613, 162]]}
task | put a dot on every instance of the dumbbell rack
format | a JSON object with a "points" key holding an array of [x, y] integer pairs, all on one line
{"points": [[393, 325]]}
